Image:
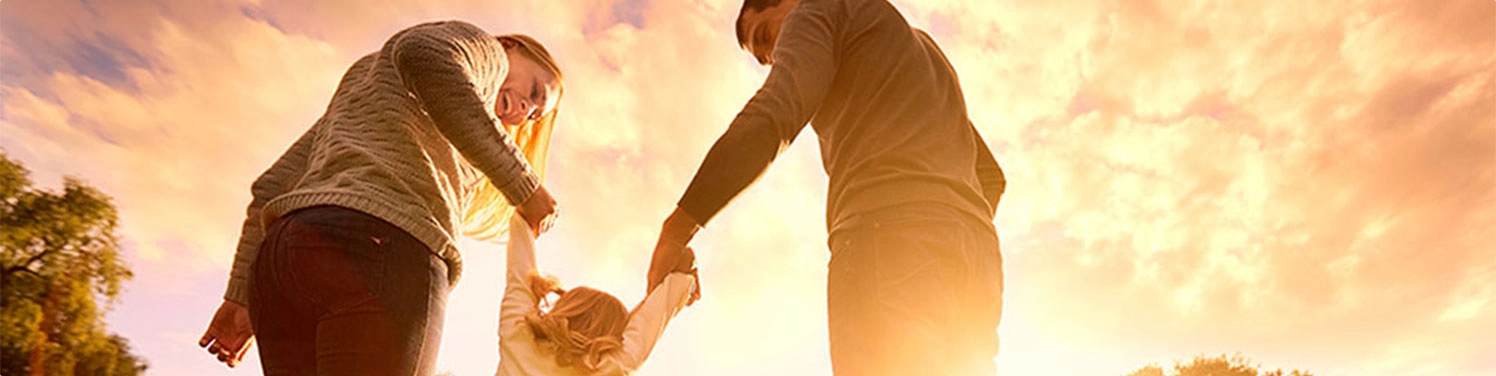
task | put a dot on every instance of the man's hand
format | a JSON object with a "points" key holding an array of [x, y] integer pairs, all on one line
{"points": [[667, 254], [539, 211], [229, 335], [670, 251]]}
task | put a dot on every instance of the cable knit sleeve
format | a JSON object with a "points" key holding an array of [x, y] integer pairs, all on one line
{"points": [[278, 179], [455, 69]]}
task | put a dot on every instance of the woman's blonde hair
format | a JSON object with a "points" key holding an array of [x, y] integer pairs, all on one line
{"points": [[488, 210], [581, 327]]}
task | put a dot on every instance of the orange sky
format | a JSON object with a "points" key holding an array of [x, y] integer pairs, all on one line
{"points": [[1312, 185]]}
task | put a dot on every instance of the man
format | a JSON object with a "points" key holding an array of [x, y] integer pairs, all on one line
{"points": [[915, 279]]}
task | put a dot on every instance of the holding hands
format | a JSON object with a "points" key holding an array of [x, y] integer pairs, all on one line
{"points": [[672, 255], [539, 211]]}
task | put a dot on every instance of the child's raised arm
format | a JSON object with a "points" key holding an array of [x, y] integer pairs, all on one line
{"points": [[518, 300], [647, 322]]}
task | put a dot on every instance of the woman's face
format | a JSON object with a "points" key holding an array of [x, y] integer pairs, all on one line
{"points": [[528, 92]]}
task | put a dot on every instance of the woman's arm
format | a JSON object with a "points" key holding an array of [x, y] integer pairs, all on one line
{"points": [[455, 69], [284, 174], [229, 332], [518, 299], [648, 321]]}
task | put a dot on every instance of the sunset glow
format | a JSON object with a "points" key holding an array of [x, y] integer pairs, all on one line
{"points": [[1310, 184]]}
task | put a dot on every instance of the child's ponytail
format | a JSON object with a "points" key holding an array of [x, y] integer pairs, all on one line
{"points": [[542, 286], [583, 325]]}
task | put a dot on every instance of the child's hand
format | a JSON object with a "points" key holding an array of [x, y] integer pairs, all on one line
{"points": [[687, 265]]}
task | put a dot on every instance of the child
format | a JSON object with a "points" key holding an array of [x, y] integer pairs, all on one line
{"points": [[586, 331]]}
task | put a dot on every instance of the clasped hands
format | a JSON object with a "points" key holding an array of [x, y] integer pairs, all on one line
{"points": [[672, 255]]}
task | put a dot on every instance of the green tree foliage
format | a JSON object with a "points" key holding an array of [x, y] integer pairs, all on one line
{"points": [[60, 270], [1214, 366]]}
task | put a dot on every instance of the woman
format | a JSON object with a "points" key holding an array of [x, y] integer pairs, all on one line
{"points": [[586, 331], [348, 250]]}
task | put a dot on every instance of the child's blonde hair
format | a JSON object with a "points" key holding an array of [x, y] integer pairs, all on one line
{"points": [[581, 327]]}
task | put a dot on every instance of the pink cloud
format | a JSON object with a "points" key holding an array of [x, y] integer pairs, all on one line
{"points": [[1313, 185]]}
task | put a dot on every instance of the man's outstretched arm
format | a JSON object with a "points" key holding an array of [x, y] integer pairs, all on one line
{"points": [[804, 66]]}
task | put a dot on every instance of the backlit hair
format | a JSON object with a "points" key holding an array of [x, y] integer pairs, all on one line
{"points": [[583, 325], [488, 211]]}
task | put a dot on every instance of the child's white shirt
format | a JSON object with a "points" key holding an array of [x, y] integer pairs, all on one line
{"points": [[520, 355]]}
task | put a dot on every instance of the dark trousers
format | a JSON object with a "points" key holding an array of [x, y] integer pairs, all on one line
{"points": [[914, 291], [339, 292]]}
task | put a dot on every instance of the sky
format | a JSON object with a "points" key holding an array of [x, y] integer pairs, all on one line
{"points": [[1308, 184]]}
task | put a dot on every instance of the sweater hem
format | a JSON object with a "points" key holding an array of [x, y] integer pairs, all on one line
{"points": [[436, 239]]}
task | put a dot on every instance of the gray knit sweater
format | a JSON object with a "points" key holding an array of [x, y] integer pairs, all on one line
{"points": [[409, 136]]}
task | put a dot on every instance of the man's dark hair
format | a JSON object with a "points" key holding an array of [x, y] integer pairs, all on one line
{"points": [[753, 5]]}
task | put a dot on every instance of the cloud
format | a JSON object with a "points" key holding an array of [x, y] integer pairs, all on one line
{"points": [[180, 139], [200, 106], [1264, 171], [1313, 185]]}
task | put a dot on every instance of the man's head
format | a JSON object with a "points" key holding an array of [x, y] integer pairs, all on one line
{"points": [[758, 26]]}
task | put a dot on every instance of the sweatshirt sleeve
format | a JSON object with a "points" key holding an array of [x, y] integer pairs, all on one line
{"points": [[648, 321], [518, 299], [804, 66], [455, 69], [275, 181], [989, 173]]}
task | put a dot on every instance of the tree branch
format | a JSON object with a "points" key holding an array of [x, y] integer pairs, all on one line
{"points": [[27, 265], [20, 268]]}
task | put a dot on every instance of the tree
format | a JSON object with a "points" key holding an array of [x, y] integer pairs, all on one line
{"points": [[60, 270], [1148, 371], [1214, 366]]}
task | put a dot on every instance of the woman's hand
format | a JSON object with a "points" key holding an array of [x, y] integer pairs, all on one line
{"points": [[229, 335], [539, 211]]}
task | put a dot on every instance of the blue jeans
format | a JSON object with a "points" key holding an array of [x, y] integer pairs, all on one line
{"points": [[339, 292], [914, 290]]}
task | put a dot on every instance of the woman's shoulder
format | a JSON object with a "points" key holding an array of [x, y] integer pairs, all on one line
{"points": [[445, 27], [443, 36]]}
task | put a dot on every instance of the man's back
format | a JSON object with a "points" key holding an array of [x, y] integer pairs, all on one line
{"points": [[893, 126], [884, 103], [914, 284]]}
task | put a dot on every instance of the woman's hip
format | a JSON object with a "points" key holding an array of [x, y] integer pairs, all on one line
{"points": [[332, 258]]}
